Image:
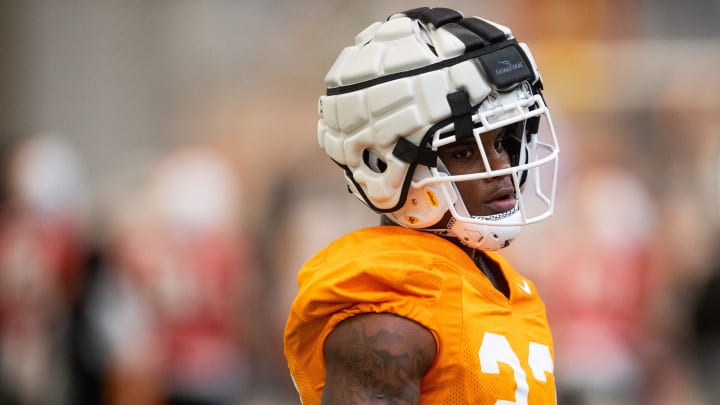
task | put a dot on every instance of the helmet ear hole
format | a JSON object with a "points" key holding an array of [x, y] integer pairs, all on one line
{"points": [[374, 161]]}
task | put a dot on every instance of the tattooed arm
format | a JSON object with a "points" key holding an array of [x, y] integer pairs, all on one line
{"points": [[376, 359]]}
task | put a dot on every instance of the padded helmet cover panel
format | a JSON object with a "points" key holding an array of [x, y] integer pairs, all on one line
{"points": [[374, 117], [395, 86]]}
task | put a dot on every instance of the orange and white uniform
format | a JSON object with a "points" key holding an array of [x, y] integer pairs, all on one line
{"points": [[490, 349]]}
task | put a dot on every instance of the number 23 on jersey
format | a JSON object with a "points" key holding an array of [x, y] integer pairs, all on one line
{"points": [[496, 349]]}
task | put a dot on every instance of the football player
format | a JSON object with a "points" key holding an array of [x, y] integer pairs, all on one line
{"points": [[439, 125]]}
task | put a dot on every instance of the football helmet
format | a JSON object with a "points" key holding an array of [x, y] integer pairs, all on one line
{"points": [[423, 79]]}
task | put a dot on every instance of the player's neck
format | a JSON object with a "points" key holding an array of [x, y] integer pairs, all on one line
{"points": [[491, 270]]}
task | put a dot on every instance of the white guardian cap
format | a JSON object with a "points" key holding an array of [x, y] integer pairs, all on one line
{"points": [[427, 78]]}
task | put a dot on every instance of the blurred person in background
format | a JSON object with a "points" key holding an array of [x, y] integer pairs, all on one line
{"points": [[685, 126], [175, 305], [304, 195], [706, 334], [439, 125], [706, 305], [599, 289], [43, 251]]}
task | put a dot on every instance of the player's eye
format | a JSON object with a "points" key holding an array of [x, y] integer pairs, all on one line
{"points": [[498, 144], [463, 154]]}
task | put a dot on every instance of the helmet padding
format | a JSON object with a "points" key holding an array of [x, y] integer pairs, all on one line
{"points": [[402, 81]]}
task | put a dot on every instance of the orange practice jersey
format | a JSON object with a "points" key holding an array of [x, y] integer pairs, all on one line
{"points": [[490, 349]]}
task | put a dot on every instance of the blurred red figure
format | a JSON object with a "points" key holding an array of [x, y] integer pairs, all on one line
{"points": [[42, 254], [173, 313], [600, 289]]}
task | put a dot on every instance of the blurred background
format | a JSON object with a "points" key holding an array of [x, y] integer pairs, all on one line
{"points": [[160, 186]]}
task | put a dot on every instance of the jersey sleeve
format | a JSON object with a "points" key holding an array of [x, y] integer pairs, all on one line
{"points": [[331, 291]]}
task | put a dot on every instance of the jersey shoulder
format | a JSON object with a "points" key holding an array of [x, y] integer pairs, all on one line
{"points": [[377, 265]]}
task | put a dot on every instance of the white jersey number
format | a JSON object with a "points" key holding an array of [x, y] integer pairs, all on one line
{"points": [[496, 349]]}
